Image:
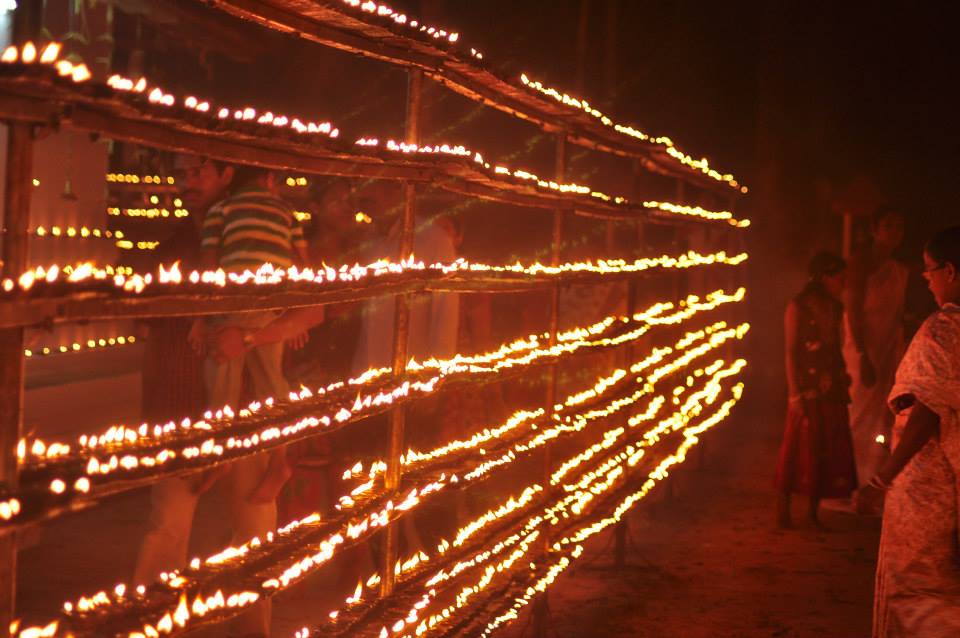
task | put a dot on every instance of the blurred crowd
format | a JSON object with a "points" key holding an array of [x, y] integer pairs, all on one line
{"points": [[872, 422]]}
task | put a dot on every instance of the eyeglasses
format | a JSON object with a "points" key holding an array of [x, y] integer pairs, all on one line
{"points": [[927, 271]]}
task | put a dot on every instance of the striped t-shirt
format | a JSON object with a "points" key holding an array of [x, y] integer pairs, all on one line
{"points": [[250, 228]]}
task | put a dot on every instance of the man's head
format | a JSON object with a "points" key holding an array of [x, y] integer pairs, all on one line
{"points": [[941, 265], [886, 229], [246, 176], [202, 182]]}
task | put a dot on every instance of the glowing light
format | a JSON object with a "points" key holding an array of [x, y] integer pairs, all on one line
{"points": [[582, 489], [151, 213], [267, 275], [700, 165], [28, 53], [666, 396], [133, 178], [90, 344], [72, 232]]}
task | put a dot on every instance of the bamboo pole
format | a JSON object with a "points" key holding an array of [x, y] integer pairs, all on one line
{"points": [[621, 531], [15, 223], [680, 291], [541, 610], [556, 249], [401, 332]]}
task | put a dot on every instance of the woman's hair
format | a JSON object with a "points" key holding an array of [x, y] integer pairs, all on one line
{"points": [[824, 264], [944, 246]]}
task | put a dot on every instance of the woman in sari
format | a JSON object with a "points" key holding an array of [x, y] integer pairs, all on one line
{"points": [[918, 569], [816, 456]]}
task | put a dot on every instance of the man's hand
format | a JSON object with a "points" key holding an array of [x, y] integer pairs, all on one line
{"points": [[228, 344], [297, 341], [868, 374], [197, 337]]}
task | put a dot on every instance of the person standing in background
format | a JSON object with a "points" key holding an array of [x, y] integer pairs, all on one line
{"points": [[173, 384], [172, 372], [874, 299], [249, 228], [816, 456], [434, 317]]}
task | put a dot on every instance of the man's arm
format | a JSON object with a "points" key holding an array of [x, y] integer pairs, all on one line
{"points": [[232, 342], [287, 325]]}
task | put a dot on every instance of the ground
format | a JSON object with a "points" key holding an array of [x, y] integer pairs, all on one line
{"points": [[706, 562], [709, 562]]}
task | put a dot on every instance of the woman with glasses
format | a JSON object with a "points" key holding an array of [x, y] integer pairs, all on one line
{"points": [[918, 570]]}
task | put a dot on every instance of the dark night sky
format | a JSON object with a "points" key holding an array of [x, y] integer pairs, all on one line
{"points": [[855, 87], [793, 97]]}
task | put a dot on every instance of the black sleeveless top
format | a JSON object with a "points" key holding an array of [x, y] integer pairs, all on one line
{"points": [[819, 355]]}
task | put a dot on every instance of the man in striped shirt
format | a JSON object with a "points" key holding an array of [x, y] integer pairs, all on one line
{"points": [[242, 232], [252, 227]]}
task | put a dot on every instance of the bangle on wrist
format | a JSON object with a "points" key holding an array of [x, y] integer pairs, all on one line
{"points": [[878, 483]]}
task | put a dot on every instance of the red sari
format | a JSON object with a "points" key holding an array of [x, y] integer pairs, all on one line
{"points": [[816, 455]]}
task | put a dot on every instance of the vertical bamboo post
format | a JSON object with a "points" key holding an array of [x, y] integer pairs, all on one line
{"points": [[556, 249], [679, 291], [401, 331], [15, 223], [621, 531], [541, 609]]}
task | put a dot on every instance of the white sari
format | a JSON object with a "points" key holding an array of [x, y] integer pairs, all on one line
{"points": [[918, 569]]}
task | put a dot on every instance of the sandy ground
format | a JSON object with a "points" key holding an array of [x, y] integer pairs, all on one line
{"points": [[709, 561], [706, 562]]}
